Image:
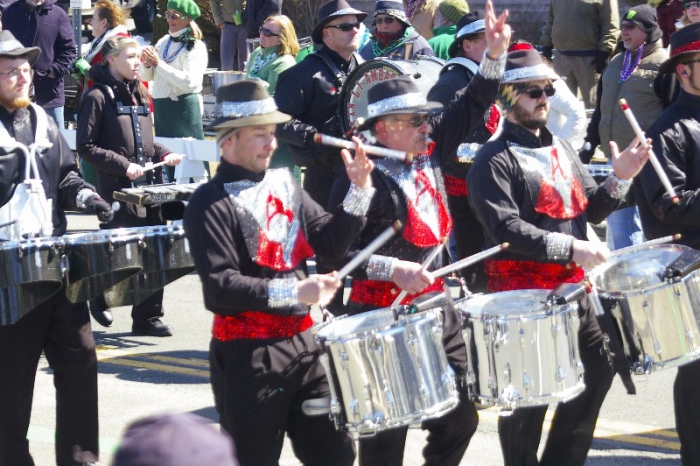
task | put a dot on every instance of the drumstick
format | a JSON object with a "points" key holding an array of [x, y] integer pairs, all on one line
{"points": [[467, 261], [652, 156], [349, 145], [652, 242], [150, 166], [3, 225], [377, 243], [354, 126], [431, 257]]}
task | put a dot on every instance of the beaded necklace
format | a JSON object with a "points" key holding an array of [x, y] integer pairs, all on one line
{"points": [[169, 59], [627, 66], [260, 61]]}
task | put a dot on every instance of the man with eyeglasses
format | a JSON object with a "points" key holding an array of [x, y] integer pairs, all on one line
{"points": [[393, 36], [529, 189], [401, 118], [676, 138]]}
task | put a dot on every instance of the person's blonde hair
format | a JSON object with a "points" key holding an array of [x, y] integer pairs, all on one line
{"points": [[112, 12], [289, 44], [113, 47], [196, 31]]}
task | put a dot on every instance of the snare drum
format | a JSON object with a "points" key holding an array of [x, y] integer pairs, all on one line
{"points": [[656, 290], [99, 260], [164, 255], [31, 271], [522, 351], [384, 372]]}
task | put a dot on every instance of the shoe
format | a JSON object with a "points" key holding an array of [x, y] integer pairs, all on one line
{"points": [[152, 328], [100, 312]]}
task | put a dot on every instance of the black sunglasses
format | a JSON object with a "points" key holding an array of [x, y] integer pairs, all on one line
{"points": [[345, 27], [415, 121], [267, 33], [689, 5], [387, 20], [537, 92]]}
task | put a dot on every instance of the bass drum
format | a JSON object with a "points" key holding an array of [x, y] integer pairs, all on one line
{"points": [[353, 97]]}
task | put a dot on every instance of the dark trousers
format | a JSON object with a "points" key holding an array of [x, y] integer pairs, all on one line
{"points": [[571, 432], [62, 330], [259, 387], [469, 240], [686, 390]]}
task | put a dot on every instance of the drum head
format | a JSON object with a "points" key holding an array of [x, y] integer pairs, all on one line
{"points": [[506, 304], [347, 327]]}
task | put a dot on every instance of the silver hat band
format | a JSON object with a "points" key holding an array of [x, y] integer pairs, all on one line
{"points": [[399, 102], [531, 72], [477, 26], [244, 109]]}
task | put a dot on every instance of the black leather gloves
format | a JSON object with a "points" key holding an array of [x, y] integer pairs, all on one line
{"points": [[98, 206]]}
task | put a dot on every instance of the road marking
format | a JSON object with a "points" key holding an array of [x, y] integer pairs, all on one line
{"points": [[121, 357]]}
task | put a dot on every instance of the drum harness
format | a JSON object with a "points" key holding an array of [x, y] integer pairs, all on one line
{"points": [[28, 213]]}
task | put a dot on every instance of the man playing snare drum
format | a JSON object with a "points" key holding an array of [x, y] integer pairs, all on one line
{"points": [[676, 137], [57, 327], [250, 231], [529, 189]]}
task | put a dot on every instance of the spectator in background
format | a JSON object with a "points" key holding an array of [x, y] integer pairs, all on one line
{"points": [[447, 15], [393, 36], [228, 16], [176, 66], [584, 34], [691, 14], [668, 12], [256, 11], [420, 14], [41, 23]]}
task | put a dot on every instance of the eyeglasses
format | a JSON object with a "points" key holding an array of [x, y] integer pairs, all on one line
{"points": [[627, 26], [689, 5], [174, 16], [537, 92], [267, 33], [345, 27], [15, 72], [416, 121], [386, 20]]}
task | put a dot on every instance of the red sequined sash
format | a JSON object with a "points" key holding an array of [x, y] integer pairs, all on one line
{"points": [[455, 186], [258, 325], [382, 294], [507, 275]]}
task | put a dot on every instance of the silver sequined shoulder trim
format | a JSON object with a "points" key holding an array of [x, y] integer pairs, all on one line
{"points": [[559, 246], [467, 151], [358, 200], [616, 187]]}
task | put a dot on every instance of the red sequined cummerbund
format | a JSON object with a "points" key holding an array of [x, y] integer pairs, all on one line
{"points": [[455, 186], [507, 275], [382, 294], [258, 325]]}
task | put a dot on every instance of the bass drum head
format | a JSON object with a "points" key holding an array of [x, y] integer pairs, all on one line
{"points": [[353, 97]]}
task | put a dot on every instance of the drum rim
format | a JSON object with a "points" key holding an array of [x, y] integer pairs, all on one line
{"points": [[430, 313]]}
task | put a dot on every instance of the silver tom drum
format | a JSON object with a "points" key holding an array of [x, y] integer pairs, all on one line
{"points": [[522, 349], [656, 291], [384, 371]]}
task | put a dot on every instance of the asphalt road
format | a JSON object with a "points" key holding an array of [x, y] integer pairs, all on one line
{"points": [[145, 375]]}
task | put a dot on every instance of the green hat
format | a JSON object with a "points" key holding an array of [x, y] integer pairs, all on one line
{"points": [[187, 7], [453, 9]]}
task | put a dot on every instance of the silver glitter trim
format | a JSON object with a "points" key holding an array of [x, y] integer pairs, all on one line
{"points": [[357, 200], [380, 267], [83, 196], [10, 45], [282, 292], [477, 26], [531, 73], [244, 109], [399, 102], [559, 246], [466, 152], [492, 69], [616, 187], [345, 11]]}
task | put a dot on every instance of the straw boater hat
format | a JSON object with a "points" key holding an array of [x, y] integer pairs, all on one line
{"points": [[393, 9], [469, 24], [12, 48], [328, 12], [394, 96], [683, 42]]}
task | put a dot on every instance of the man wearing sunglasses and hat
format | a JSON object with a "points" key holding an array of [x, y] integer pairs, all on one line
{"points": [[401, 118], [676, 138], [529, 189], [250, 231], [56, 327]]}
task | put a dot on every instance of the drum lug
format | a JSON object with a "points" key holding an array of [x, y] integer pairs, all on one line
{"points": [[388, 396], [526, 380], [354, 407], [507, 373], [143, 245], [509, 399], [561, 374], [65, 264], [21, 251]]}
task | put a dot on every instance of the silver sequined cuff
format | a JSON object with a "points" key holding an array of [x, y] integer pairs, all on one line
{"points": [[380, 267], [616, 187], [282, 292], [559, 246], [83, 196], [490, 68], [357, 200]]}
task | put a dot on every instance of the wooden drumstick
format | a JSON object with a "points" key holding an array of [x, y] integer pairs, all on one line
{"points": [[467, 261], [365, 254], [153, 166], [431, 257], [354, 126], [652, 156], [374, 150]]}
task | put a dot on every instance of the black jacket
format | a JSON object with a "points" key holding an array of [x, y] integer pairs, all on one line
{"points": [[256, 11]]}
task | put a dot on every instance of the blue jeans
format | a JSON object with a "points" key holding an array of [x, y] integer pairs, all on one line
{"points": [[624, 228], [57, 114]]}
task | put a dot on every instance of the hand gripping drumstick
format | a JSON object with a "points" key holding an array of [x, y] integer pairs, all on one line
{"points": [[369, 250], [467, 261], [431, 257], [153, 166], [349, 145], [652, 156]]}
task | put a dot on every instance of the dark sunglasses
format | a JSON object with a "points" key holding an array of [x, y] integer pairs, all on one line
{"points": [[267, 33], [345, 27], [415, 121], [627, 26], [537, 93], [689, 5], [387, 20]]}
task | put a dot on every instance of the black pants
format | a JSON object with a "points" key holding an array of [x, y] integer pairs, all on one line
{"points": [[686, 390], [469, 240], [571, 432], [259, 387], [62, 331]]}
